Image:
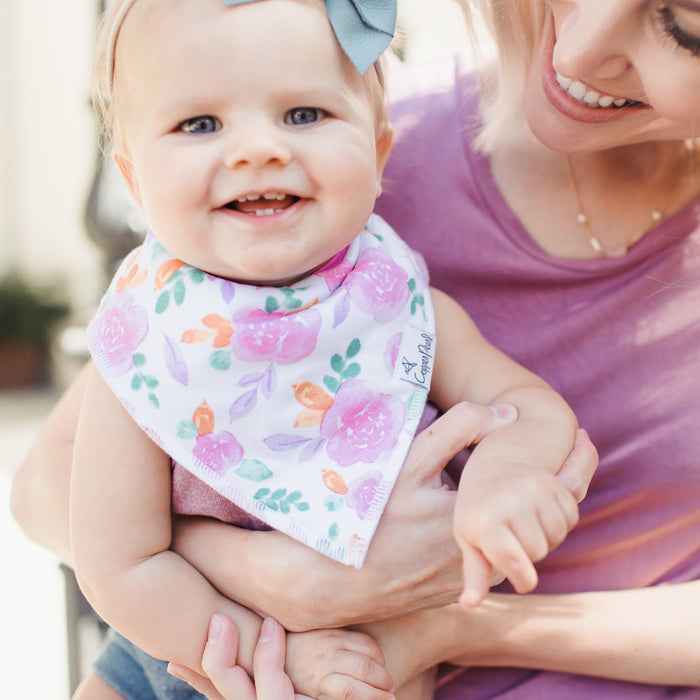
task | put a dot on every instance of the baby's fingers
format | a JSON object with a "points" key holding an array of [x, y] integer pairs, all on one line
{"points": [[513, 555], [341, 687], [477, 575]]}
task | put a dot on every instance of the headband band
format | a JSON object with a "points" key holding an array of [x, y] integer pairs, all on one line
{"points": [[364, 29]]}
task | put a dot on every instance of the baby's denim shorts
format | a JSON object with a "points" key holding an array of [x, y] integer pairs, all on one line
{"points": [[138, 676]]}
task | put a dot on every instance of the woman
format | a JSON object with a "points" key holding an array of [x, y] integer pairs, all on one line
{"points": [[572, 238]]}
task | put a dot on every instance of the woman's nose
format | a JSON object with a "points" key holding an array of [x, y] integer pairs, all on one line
{"points": [[593, 38], [257, 145]]}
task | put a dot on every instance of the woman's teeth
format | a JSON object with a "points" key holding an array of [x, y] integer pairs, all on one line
{"points": [[592, 98]]}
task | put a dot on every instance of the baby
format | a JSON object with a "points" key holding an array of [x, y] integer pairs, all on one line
{"points": [[266, 355]]}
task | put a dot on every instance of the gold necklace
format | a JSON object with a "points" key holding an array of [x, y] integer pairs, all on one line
{"points": [[657, 215]]}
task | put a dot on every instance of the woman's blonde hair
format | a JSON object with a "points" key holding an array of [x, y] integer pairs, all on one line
{"points": [[510, 25]]}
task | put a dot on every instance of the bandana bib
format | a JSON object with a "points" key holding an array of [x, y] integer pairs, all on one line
{"points": [[297, 404]]}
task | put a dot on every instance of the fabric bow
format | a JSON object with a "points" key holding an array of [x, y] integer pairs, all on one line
{"points": [[364, 28]]}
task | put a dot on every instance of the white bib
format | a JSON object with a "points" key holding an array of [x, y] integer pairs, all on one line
{"points": [[297, 404]]}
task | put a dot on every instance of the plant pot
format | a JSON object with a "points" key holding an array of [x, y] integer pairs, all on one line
{"points": [[22, 364]]}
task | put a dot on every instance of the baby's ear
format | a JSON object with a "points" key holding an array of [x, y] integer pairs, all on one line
{"points": [[385, 139], [126, 168]]}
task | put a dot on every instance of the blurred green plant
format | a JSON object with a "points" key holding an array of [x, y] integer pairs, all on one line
{"points": [[28, 312]]}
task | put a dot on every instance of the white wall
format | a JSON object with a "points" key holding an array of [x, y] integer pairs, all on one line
{"points": [[47, 139]]}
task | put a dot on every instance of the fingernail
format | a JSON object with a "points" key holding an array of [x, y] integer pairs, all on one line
{"points": [[173, 670], [267, 630], [503, 411], [216, 625]]}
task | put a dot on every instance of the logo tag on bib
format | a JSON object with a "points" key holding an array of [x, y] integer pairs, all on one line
{"points": [[416, 356]]}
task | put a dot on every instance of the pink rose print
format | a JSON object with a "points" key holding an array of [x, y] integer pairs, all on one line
{"points": [[220, 451], [391, 352], [378, 286], [361, 493], [335, 270], [275, 337], [121, 327], [362, 423]]}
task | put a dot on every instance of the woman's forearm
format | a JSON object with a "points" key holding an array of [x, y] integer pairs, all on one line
{"points": [[648, 635], [41, 487]]}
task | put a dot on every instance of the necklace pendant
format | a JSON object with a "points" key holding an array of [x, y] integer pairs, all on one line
{"points": [[595, 244]]}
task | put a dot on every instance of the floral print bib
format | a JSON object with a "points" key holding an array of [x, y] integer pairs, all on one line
{"points": [[297, 404]]}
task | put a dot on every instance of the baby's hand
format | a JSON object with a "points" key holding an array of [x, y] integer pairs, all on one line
{"points": [[337, 664], [506, 518]]}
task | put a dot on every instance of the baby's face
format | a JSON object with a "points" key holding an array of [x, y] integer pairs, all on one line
{"points": [[249, 139]]}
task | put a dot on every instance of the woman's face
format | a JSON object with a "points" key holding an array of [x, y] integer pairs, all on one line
{"points": [[608, 73]]}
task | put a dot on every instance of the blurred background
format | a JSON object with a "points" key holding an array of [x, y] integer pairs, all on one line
{"points": [[59, 220]]}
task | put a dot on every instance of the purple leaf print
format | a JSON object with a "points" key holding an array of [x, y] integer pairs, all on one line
{"points": [[269, 381], [311, 449], [174, 361], [341, 311], [284, 443], [243, 405], [228, 291], [251, 379]]}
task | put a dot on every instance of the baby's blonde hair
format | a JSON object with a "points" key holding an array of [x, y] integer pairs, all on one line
{"points": [[103, 76], [510, 24]]}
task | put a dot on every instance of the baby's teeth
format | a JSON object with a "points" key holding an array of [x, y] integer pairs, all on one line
{"points": [[605, 101], [264, 212], [253, 197], [620, 102]]}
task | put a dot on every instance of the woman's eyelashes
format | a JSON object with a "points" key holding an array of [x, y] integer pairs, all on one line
{"points": [[300, 116], [199, 125], [670, 28]]}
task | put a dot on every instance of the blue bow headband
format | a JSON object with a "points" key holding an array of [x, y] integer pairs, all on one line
{"points": [[364, 28]]}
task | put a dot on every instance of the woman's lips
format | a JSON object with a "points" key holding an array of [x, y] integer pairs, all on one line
{"points": [[578, 101]]}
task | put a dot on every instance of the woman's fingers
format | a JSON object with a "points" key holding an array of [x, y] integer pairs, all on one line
{"points": [[463, 425], [271, 682]]}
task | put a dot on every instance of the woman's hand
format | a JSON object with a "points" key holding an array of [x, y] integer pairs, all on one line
{"points": [[228, 681], [413, 563]]}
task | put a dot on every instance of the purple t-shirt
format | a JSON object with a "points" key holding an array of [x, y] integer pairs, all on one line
{"points": [[619, 338]]}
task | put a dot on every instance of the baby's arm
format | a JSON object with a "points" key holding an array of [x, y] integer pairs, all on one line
{"points": [[511, 510], [121, 534]]}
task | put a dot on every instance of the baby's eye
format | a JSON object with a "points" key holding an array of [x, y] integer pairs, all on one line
{"points": [[303, 115], [200, 125]]}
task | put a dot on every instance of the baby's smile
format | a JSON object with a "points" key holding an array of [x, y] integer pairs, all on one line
{"points": [[266, 204]]}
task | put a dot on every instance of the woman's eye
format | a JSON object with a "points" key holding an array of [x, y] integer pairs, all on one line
{"points": [[200, 125], [669, 27], [303, 115]]}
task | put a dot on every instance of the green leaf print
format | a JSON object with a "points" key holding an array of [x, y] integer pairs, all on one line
{"points": [[179, 291], [187, 430], [354, 348], [221, 360], [271, 305], [163, 302], [254, 470]]}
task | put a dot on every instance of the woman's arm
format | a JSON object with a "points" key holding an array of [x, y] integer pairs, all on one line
{"points": [[648, 635], [41, 485]]}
